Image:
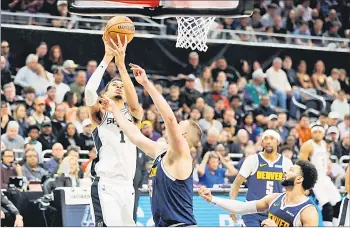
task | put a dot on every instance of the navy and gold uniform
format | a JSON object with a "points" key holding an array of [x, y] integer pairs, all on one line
{"points": [[171, 199], [287, 215]]}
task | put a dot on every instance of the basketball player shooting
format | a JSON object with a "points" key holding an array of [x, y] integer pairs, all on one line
{"points": [[172, 182], [291, 208], [113, 170]]}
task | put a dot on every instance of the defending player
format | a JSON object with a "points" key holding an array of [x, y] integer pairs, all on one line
{"points": [[325, 191], [264, 172], [112, 191], [172, 182], [344, 214], [291, 208]]}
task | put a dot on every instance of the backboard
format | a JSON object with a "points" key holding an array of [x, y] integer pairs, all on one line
{"points": [[162, 8]]}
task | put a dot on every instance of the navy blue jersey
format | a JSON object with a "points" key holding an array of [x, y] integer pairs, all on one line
{"points": [[287, 215], [171, 199]]}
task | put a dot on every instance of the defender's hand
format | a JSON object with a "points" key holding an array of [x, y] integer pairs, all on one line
{"points": [[234, 218], [205, 194], [108, 105], [268, 222], [139, 74]]}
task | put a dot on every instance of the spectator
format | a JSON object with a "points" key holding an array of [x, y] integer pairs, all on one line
{"points": [[61, 88], [232, 90], [41, 52], [189, 93], [209, 172], [267, 19], [6, 204], [344, 126], [282, 126], [303, 128], [291, 74], [334, 84], [59, 120], [56, 158], [78, 86], [69, 136], [55, 58], [319, 79], [247, 151], [86, 140], [303, 78], [33, 135], [342, 147], [278, 82], [50, 100], [12, 99], [221, 65], [69, 67], [288, 153], [243, 70], [29, 96], [38, 117], [332, 32], [241, 142], [215, 95], [208, 120], [332, 19], [243, 26], [263, 111], [278, 29], [193, 66], [219, 110], [210, 142], [6, 116], [82, 114], [6, 75], [46, 137], [222, 80], [20, 115], [332, 134], [292, 21], [341, 105], [317, 30], [148, 130], [10, 57], [255, 21], [195, 114], [11, 138], [303, 30], [229, 120], [322, 120], [70, 101], [273, 123], [45, 80], [8, 168], [62, 11], [86, 166], [28, 76], [31, 169], [256, 88], [332, 119], [305, 8], [174, 100], [69, 168], [73, 151], [344, 81], [293, 143]]}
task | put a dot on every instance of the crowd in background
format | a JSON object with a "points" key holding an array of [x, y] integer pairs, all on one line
{"points": [[317, 18], [42, 108]]}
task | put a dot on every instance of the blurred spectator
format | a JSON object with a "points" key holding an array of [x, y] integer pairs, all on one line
{"points": [[332, 134], [8, 168], [56, 158], [9, 90], [195, 114], [82, 114], [193, 66], [319, 78], [263, 111], [303, 30], [288, 153], [317, 30], [242, 141], [174, 100], [55, 58], [243, 26], [73, 151], [86, 166], [59, 119], [29, 96], [344, 126], [209, 143], [322, 120], [86, 140], [62, 11], [215, 95], [41, 52], [342, 147], [332, 19], [303, 128], [20, 115], [278, 29], [305, 8], [282, 126], [11, 63], [69, 67], [229, 120], [292, 21], [278, 82], [273, 123], [110, 73], [341, 105], [288, 68], [344, 81], [61, 87], [31, 6], [256, 88], [293, 143], [6, 75], [148, 130], [248, 150], [243, 70], [6, 116], [219, 109], [33, 135], [50, 100], [222, 80], [49, 6], [69, 168], [38, 117], [232, 90], [69, 136], [332, 119], [255, 21], [70, 101], [200, 104], [332, 32], [332, 80], [31, 169], [208, 121], [78, 86], [303, 78], [11, 138], [267, 19], [249, 125], [189, 93], [46, 137], [209, 171]]}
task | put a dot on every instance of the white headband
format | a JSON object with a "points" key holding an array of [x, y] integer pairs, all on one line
{"points": [[272, 133], [318, 128]]}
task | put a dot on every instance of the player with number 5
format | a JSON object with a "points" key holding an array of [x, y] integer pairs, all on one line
{"points": [[264, 173]]}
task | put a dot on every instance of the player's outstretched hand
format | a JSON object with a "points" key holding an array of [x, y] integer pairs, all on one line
{"points": [[268, 222], [107, 104], [119, 50], [205, 193], [139, 74]]}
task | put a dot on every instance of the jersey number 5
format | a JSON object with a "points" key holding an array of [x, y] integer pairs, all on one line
{"points": [[122, 140], [269, 187]]}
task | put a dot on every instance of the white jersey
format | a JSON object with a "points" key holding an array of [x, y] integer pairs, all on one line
{"points": [[116, 155], [320, 157]]}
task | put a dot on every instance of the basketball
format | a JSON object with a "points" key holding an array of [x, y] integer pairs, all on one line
{"points": [[120, 25]]}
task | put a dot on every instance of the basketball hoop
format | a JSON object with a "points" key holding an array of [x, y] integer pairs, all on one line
{"points": [[193, 32]]}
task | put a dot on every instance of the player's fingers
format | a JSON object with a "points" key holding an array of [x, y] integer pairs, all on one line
{"points": [[113, 43], [125, 42], [119, 42], [134, 65]]}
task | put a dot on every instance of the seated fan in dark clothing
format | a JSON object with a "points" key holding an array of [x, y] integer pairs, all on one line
{"points": [[69, 136], [85, 138]]}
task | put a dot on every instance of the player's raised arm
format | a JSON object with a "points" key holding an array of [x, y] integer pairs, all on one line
{"points": [[133, 133], [176, 139], [130, 92]]}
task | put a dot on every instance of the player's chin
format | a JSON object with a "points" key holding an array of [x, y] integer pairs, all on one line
{"points": [[268, 149], [118, 97]]}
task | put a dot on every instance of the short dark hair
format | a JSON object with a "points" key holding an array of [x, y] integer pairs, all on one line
{"points": [[234, 97], [113, 80], [28, 89], [303, 115], [309, 173]]}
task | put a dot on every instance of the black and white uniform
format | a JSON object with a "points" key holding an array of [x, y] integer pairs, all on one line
{"points": [[113, 170], [325, 190]]}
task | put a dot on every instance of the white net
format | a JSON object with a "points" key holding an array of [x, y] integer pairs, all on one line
{"points": [[193, 32]]}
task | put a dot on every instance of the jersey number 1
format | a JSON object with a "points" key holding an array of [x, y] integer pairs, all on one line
{"points": [[269, 187], [122, 140]]}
